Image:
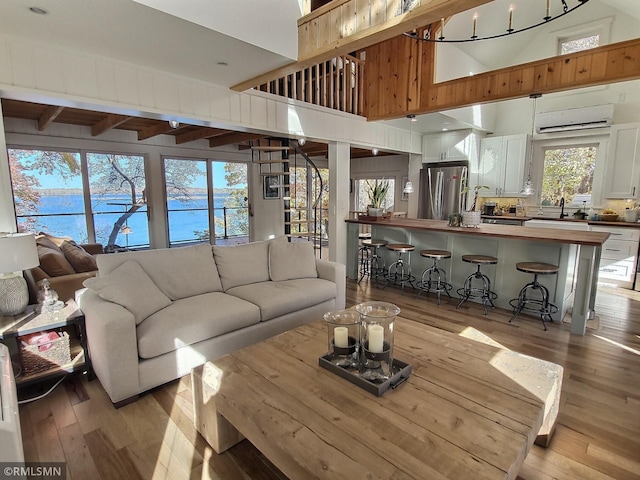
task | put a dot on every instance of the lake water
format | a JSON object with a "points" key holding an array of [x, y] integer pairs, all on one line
{"points": [[68, 218]]}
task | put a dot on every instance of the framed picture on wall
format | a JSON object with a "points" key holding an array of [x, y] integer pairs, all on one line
{"points": [[271, 187], [405, 196]]}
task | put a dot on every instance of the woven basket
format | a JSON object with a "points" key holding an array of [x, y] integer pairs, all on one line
{"points": [[42, 357]]}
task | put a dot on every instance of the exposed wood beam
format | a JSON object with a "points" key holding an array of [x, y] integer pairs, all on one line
{"points": [[599, 66], [236, 137], [331, 30], [107, 123], [200, 133], [155, 130], [48, 116]]}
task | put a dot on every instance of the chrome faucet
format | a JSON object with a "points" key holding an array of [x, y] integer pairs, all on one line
{"points": [[562, 214]]}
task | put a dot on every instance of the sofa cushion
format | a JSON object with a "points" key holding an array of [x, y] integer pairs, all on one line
{"points": [[278, 298], [129, 286], [179, 272], [288, 261], [191, 320], [243, 264], [53, 262], [78, 257]]}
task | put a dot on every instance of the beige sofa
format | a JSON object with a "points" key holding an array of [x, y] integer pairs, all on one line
{"points": [[151, 316]]}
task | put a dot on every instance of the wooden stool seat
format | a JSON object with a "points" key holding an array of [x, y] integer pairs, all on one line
{"points": [[400, 247], [537, 267], [436, 254], [480, 259], [373, 242]]}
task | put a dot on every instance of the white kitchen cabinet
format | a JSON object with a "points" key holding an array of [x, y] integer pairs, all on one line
{"points": [[622, 173], [502, 165], [448, 146], [619, 256]]}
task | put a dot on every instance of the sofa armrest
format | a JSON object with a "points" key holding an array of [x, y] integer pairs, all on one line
{"points": [[66, 285], [111, 336], [337, 273]]}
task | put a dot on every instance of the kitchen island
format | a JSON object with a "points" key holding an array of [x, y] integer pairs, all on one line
{"points": [[576, 253]]}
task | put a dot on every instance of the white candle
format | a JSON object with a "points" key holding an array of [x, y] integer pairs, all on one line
{"points": [[475, 24], [548, 10], [341, 337], [376, 338], [442, 27]]}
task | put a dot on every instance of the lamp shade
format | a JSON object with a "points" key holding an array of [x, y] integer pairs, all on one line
{"points": [[18, 251]]}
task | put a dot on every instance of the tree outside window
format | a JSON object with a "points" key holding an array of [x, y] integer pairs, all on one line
{"points": [[568, 172]]}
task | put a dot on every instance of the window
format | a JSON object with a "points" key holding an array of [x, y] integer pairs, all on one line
{"points": [[577, 44], [117, 188], [362, 193], [189, 195], [47, 192], [568, 174]]}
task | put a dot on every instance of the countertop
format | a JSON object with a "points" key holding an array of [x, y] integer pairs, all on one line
{"points": [[516, 232], [618, 223]]}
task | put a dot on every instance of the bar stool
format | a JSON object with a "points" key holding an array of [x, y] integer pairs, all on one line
{"points": [[437, 277], [375, 265], [484, 292], [541, 304], [399, 272], [363, 255]]}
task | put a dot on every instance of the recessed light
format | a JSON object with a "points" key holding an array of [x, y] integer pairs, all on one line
{"points": [[38, 10]]}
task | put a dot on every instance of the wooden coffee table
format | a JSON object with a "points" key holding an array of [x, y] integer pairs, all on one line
{"points": [[457, 416]]}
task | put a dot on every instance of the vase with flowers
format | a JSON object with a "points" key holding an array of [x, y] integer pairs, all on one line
{"points": [[377, 193], [471, 217]]}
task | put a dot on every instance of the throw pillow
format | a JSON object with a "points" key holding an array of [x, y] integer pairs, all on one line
{"points": [[55, 240], [78, 257], [46, 242], [288, 261], [53, 262], [129, 286]]}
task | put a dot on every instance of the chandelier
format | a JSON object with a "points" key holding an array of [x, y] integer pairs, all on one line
{"points": [[550, 10]]}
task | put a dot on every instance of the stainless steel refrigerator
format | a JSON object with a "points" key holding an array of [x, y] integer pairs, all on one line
{"points": [[440, 189]]}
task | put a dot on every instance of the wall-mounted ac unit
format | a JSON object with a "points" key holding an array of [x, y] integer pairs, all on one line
{"points": [[575, 119]]}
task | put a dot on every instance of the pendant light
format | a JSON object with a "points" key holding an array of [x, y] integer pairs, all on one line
{"points": [[408, 187], [527, 188]]}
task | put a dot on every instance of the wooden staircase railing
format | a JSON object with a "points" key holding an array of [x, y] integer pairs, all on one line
{"points": [[337, 83]]}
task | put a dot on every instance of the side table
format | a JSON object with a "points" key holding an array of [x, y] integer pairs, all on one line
{"points": [[13, 327]]}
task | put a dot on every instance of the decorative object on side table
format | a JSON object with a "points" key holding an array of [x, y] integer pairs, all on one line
{"points": [[18, 252], [377, 193], [375, 370], [471, 217], [48, 299]]}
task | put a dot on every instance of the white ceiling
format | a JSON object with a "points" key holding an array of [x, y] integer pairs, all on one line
{"points": [[249, 36]]}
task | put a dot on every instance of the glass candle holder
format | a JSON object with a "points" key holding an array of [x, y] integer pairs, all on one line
{"points": [[376, 340], [343, 329]]}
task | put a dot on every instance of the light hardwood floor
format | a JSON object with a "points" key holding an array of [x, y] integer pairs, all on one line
{"points": [[597, 435]]}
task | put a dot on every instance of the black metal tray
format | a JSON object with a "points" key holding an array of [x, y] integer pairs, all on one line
{"points": [[401, 373]]}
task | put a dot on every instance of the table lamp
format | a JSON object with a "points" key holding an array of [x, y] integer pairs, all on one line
{"points": [[18, 252]]}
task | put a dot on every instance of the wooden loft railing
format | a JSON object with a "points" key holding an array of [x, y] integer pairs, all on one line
{"points": [[337, 83]]}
